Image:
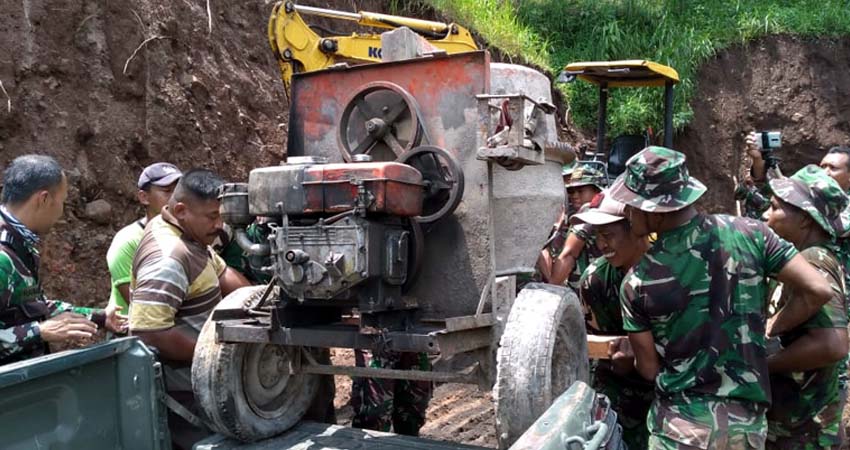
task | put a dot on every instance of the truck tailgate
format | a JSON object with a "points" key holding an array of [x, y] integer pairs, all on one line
{"points": [[312, 435]]}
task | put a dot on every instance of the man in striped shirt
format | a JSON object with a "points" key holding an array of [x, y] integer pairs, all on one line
{"points": [[176, 282]]}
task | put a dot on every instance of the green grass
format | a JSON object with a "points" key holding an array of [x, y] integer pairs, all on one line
{"points": [[680, 33]]}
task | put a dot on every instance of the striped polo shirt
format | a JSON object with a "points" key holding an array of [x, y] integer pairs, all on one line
{"points": [[174, 280]]}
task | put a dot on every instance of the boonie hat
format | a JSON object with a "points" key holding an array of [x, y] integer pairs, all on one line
{"points": [[588, 173], [656, 180], [159, 174], [601, 212], [815, 192]]}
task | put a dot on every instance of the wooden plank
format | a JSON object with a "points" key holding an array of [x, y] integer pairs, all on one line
{"points": [[467, 322], [597, 346]]}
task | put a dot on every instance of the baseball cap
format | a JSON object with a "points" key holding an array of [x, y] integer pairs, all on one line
{"points": [[159, 174], [603, 210]]}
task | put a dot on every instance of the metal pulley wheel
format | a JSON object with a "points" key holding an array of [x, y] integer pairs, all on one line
{"points": [[381, 120], [443, 180]]}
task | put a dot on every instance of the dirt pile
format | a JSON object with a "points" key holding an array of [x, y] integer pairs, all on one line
{"points": [[110, 87], [798, 86]]}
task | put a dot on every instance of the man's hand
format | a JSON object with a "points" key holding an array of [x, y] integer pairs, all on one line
{"points": [[66, 327], [759, 168], [752, 146], [622, 356], [115, 322]]}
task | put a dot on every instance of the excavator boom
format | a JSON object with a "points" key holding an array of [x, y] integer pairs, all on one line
{"points": [[298, 48]]}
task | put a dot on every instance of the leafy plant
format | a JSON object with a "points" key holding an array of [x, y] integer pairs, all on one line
{"points": [[680, 33]]}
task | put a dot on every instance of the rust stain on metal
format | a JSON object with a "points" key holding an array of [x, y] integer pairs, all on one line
{"points": [[443, 87], [394, 188]]}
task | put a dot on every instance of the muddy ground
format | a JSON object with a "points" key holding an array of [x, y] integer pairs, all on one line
{"points": [[457, 412], [109, 87]]}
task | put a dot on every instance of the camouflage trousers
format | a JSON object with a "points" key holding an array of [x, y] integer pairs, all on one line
{"points": [[381, 403], [631, 400], [706, 423], [820, 431]]}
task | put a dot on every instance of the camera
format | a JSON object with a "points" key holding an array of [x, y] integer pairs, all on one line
{"points": [[769, 140]]}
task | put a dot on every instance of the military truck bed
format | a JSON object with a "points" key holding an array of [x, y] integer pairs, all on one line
{"points": [[312, 435]]}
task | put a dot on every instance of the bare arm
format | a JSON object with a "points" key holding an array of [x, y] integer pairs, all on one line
{"points": [[544, 264], [172, 344], [231, 280], [759, 168], [811, 292], [646, 358], [566, 261], [819, 347]]}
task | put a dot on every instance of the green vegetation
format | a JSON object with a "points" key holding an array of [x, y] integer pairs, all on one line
{"points": [[680, 33]]}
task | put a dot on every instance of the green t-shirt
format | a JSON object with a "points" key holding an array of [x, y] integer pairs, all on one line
{"points": [[702, 291], [119, 258]]}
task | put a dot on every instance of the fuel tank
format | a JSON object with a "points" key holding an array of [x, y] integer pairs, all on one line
{"points": [[307, 186]]}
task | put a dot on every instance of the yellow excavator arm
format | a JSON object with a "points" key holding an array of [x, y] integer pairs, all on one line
{"points": [[299, 49]]}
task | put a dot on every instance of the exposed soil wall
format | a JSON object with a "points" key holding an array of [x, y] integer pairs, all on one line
{"points": [[109, 87], [798, 86]]}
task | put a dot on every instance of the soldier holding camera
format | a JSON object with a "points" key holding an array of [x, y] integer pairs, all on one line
{"points": [[836, 164]]}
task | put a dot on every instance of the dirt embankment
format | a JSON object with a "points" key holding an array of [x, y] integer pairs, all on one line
{"points": [[110, 87], [798, 86]]}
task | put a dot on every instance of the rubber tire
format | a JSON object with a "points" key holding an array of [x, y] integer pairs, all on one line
{"points": [[542, 352], [217, 382]]}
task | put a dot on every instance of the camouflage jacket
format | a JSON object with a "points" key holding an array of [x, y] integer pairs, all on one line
{"points": [[599, 289], [22, 302], [701, 290], [589, 252], [806, 404], [630, 395], [843, 252]]}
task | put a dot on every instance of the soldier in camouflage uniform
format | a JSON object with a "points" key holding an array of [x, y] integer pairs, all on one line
{"points": [[836, 164], [576, 250], [383, 403], [599, 291], [695, 307], [34, 190], [805, 210]]}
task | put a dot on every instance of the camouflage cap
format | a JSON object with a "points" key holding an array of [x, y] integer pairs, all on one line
{"points": [[656, 180], [588, 173], [815, 192]]}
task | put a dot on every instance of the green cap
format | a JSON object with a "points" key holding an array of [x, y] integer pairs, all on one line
{"points": [[656, 180], [815, 192], [588, 173], [567, 169]]}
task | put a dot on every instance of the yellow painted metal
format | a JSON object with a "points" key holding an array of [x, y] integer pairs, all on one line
{"points": [[626, 73], [298, 48]]}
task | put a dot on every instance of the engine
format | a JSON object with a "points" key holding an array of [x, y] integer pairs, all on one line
{"points": [[340, 235]]}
